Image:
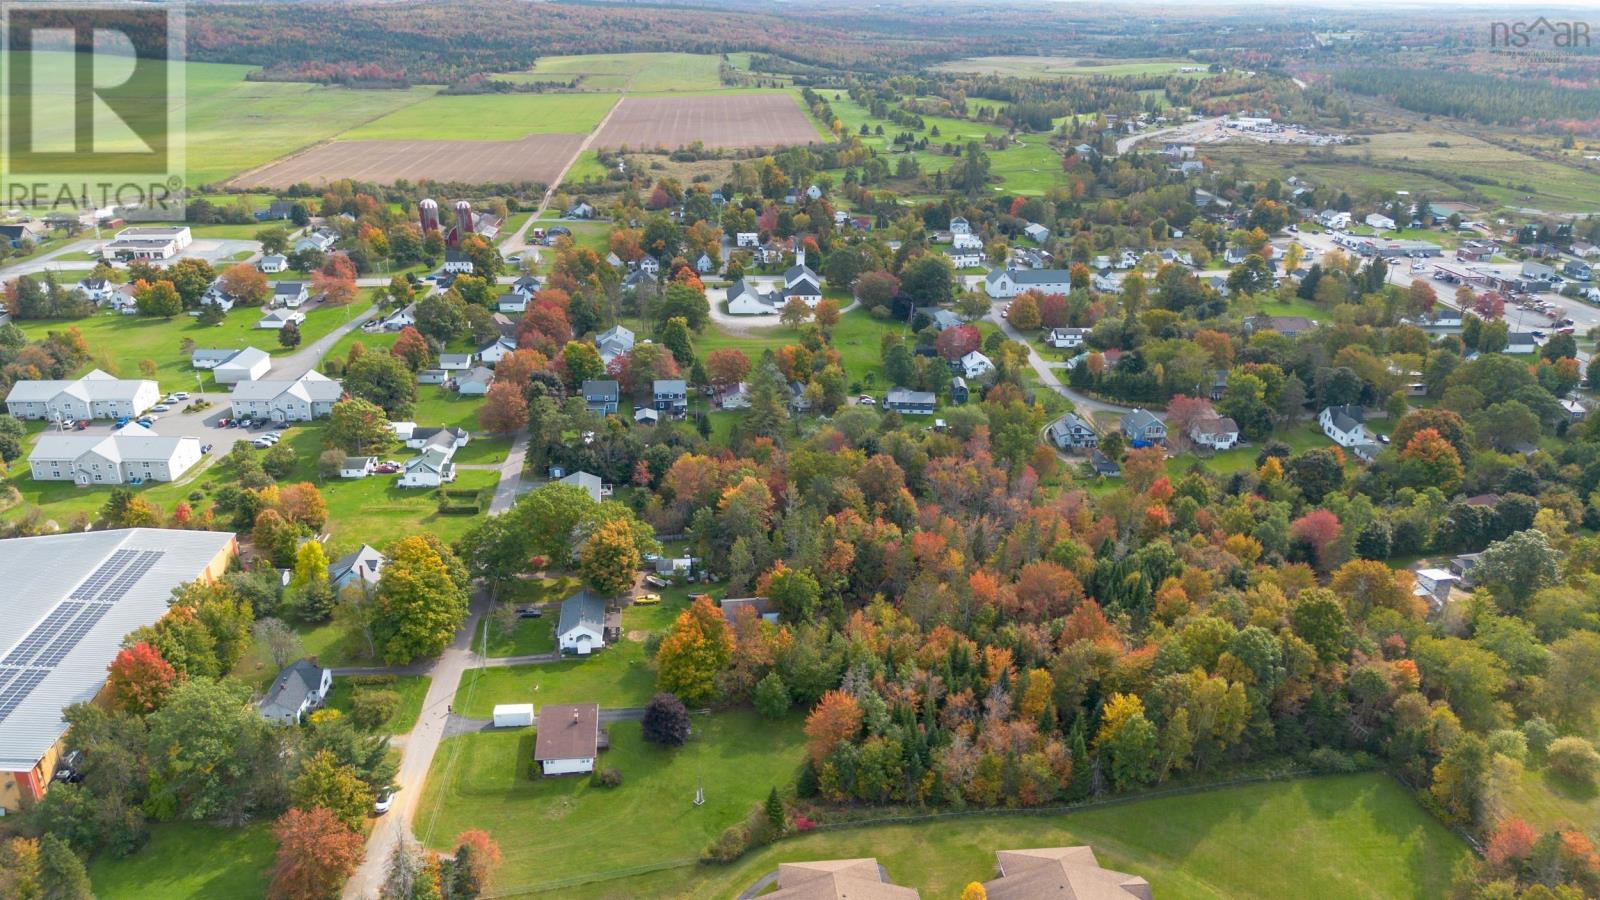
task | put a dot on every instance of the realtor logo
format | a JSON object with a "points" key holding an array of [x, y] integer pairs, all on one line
{"points": [[92, 103], [1541, 32]]}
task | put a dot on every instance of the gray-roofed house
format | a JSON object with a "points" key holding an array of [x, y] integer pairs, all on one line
{"points": [[455, 362], [206, 358], [130, 455], [290, 294], [909, 402], [300, 688], [582, 627], [602, 395], [1103, 465], [614, 342], [357, 466], [1344, 425], [1003, 284], [1215, 432], [942, 319], [1143, 429], [596, 487], [130, 574], [363, 567], [474, 382], [1071, 432], [1060, 873], [96, 395], [671, 395]]}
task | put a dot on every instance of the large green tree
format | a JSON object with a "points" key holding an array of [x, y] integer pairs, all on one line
{"points": [[420, 606]]}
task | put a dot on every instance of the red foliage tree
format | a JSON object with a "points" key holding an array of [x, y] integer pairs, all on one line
{"points": [[412, 348], [140, 679], [1184, 411], [1511, 843], [727, 367], [1320, 530], [484, 857], [504, 410], [316, 853], [1053, 311], [1044, 591], [836, 719], [338, 265], [954, 343], [335, 291]]}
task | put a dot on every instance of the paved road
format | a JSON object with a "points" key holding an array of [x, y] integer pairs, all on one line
{"points": [[416, 756], [217, 251], [510, 484], [309, 356], [1049, 372]]}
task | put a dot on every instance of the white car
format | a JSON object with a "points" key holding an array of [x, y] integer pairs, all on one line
{"points": [[160, 407], [180, 395], [261, 443], [385, 800], [864, 400]]}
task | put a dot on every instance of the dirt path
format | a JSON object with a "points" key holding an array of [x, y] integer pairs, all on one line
{"points": [[518, 242]]}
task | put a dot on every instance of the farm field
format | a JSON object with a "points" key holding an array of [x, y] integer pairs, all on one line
{"points": [[1332, 837], [483, 780], [186, 861], [1062, 66], [715, 120], [627, 72], [487, 117], [535, 157], [1413, 160]]}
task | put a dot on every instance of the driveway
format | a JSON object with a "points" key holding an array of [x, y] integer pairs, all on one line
{"points": [[1049, 372], [309, 356], [717, 297]]}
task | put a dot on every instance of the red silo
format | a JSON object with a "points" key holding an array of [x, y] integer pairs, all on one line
{"points": [[430, 215], [463, 220]]}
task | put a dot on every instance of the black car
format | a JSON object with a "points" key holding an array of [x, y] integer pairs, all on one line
{"points": [[529, 612]]}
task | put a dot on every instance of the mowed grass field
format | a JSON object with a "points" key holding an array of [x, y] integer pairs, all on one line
{"points": [[186, 861], [1355, 836], [627, 72], [551, 830], [488, 117]]}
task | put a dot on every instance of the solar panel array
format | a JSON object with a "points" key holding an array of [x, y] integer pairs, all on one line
{"points": [[49, 643]]}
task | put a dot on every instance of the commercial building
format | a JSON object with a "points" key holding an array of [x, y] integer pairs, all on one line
{"points": [[148, 242], [70, 599]]}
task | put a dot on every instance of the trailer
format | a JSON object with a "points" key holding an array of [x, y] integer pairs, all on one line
{"points": [[513, 715]]}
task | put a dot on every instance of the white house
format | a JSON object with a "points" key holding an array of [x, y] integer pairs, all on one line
{"points": [[401, 318], [311, 396], [131, 455], [959, 225], [1003, 284], [976, 365], [98, 290], [569, 738], [276, 319], [1037, 232], [745, 299], [747, 239], [298, 689], [1344, 425], [513, 302], [1067, 338], [491, 354], [475, 382], [582, 628], [966, 241], [431, 468], [290, 294], [273, 263], [1215, 432], [457, 263], [1380, 221], [357, 466], [455, 362], [964, 259], [614, 342], [1331, 218], [96, 395], [249, 364]]}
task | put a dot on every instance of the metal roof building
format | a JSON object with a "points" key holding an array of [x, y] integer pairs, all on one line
{"points": [[69, 602]]}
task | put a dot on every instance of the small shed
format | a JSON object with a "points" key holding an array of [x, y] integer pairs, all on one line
{"points": [[513, 715]]}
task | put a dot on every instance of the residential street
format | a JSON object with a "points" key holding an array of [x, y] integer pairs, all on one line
{"points": [[1049, 374]]}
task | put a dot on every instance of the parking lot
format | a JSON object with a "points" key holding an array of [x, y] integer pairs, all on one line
{"points": [[199, 424]]}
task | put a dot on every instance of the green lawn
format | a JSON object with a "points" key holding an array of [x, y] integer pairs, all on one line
{"points": [[488, 117], [1031, 169], [186, 861], [629, 72], [529, 637], [483, 780], [1547, 800], [617, 677], [325, 643], [1062, 66], [413, 689], [118, 343], [585, 168], [1336, 837]]}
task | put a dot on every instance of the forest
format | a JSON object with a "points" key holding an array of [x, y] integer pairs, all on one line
{"points": [[1487, 99]]}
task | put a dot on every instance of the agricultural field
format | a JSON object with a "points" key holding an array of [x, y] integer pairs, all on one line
{"points": [[1442, 164], [487, 117], [1063, 66], [714, 120], [536, 157], [625, 72]]}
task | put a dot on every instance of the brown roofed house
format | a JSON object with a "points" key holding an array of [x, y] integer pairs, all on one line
{"points": [[569, 738], [1061, 873], [837, 879]]}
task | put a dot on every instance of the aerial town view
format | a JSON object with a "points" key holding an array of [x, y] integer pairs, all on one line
{"points": [[607, 449]]}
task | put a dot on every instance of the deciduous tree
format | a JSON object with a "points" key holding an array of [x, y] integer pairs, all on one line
{"points": [[836, 720], [697, 647], [316, 853], [140, 679], [419, 606]]}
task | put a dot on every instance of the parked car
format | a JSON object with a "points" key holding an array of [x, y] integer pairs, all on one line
{"points": [[147, 421], [647, 599], [385, 800], [865, 400], [121, 421], [69, 767], [181, 395], [385, 469], [82, 424], [655, 581], [529, 612], [205, 448], [261, 443], [69, 423]]}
